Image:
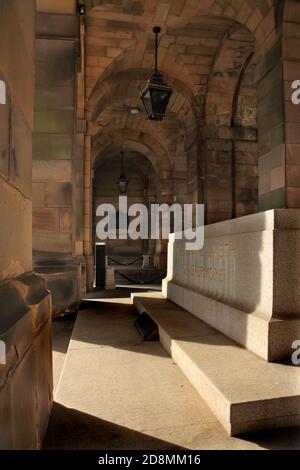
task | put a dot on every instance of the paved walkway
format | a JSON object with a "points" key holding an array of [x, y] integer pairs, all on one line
{"points": [[118, 392]]}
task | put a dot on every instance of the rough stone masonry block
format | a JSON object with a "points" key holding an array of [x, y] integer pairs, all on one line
{"points": [[58, 194], [55, 170], [45, 219], [26, 379], [54, 121], [56, 6], [54, 97], [18, 68], [52, 242], [20, 162], [66, 219], [15, 232], [52, 74], [38, 195], [52, 146]]}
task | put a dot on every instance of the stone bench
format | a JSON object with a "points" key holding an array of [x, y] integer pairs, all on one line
{"points": [[245, 392]]}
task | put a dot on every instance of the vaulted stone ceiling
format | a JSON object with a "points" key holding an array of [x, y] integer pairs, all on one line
{"points": [[204, 48]]}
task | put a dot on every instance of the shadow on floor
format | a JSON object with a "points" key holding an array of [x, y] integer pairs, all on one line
{"points": [[106, 323], [62, 328], [70, 429], [119, 292], [275, 439]]}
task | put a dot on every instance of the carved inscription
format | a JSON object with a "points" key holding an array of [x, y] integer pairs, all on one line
{"points": [[208, 268]]}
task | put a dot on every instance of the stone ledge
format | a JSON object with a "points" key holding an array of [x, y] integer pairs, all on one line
{"points": [[275, 219], [26, 378], [245, 392], [62, 275], [271, 340]]}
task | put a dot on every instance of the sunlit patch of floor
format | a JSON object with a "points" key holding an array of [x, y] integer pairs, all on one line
{"points": [[118, 392]]}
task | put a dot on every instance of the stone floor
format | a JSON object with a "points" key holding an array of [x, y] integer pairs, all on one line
{"points": [[117, 392], [61, 335]]}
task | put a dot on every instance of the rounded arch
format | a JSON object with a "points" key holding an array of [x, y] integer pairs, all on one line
{"points": [[146, 143], [115, 87], [257, 17], [234, 55], [230, 129], [125, 68]]}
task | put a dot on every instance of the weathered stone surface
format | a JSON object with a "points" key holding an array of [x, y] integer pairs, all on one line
{"points": [[26, 379], [53, 153], [17, 34], [58, 194], [66, 220], [53, 170], [52, 242], [38, 195], [63, 279], [15, 232], [55, 24], [56, 6], [20, 170], [52, 146], [45, 219]]}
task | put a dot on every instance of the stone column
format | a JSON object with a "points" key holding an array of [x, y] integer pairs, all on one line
{"points": [[57, 164], [165, 196], [87, 214], [279, 118], [79, 159]]}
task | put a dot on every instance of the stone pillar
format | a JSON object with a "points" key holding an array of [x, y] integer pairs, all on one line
{"points": [[218, 181], [110, 279], [146, 261], [279, 118], [25, 303], [58, 160], [87, 215], [166, 196]]}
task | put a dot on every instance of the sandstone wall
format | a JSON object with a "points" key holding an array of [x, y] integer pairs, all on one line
{"points": [[25, 304], [57, 165]]}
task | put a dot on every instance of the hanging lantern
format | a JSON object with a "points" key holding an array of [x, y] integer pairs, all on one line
{"points": [[122, 181], [156, 94]]}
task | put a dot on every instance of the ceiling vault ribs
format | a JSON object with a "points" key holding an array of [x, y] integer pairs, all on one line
{"points": [[203, 48]]}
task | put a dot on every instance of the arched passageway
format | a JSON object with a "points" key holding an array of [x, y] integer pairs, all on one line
{"points": [[230, 140]]}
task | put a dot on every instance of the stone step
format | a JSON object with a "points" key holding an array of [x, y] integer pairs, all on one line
{"points": [[245, 392]]}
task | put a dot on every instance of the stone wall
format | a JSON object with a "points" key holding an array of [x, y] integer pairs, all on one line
{"points": [[278, 117], [25, 303], [56, 167]]}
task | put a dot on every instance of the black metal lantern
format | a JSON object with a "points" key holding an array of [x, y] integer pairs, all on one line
{"points": [[122, 181], [156, 94]]}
